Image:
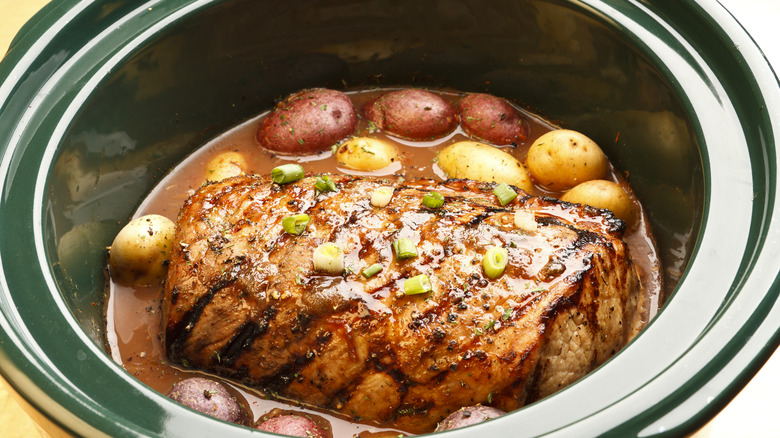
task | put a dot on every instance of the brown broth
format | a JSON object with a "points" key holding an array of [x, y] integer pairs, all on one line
{"points": [[133, 314]]}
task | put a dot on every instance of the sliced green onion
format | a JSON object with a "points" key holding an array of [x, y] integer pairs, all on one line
{"points": [[504, 193], [381, 196], [419, 284], [324, 183], [525, 220], [433, 200], [372, 270], [295, 224], [404, 249], [329, 258], [494, 262], [507, 314], [287, 173]]}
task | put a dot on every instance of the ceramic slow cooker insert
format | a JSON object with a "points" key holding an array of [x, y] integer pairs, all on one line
{"points": [[100, 99]]}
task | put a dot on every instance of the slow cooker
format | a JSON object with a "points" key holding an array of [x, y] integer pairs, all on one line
{"points": [[99, 99]]}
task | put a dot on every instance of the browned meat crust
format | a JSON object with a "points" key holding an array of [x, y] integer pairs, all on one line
{"points": [[242, 299]]}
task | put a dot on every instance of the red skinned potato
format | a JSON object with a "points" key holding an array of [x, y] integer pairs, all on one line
{"points": [[468, 416], [293, 425], [491, 119], [412, 114], [211, 398], [308, 122]]}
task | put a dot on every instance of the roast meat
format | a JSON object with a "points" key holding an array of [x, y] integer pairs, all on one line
{"points": [[242, 298]]}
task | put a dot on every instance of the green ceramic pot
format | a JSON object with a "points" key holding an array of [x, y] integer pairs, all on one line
{"points": [[100, 98]]}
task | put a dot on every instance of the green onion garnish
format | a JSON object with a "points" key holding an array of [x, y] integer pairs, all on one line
{"points": [[329, 258], [381, 196], [525, 221], [494, 262], [507, 314], [372, 270], [417, 285], [404, 249], [504, 193], [433, 200], [287, 173], [324, 183], [295, 224]]}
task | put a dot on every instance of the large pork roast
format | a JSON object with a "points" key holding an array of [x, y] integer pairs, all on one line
{"points": [[243, 299]]}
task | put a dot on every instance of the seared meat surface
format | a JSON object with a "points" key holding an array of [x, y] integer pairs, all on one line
{"points": [[242, 299]]}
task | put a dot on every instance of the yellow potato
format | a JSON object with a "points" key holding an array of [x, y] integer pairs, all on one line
{"points": [[602, 194], [225, 165], [366, 154], [561, 159], [140, 251], [481, 162]]}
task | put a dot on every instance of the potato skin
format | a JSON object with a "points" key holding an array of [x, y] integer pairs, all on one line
{"points": [[293, 425], [140, 251], [491, 119], [412, 114], [365, 153], [561, 159], [225, 165], [468, 416], [308, 122], [481, 162], [602, 194], [211, 398]]}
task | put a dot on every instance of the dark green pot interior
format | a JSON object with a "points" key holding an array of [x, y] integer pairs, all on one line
{"points": [[103, 98]]}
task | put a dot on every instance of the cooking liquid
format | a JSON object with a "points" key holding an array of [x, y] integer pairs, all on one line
{"points": [[134, 316]]}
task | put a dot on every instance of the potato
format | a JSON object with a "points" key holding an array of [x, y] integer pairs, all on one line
{"points": [[412, 114], [491, 119], [468, 416], [211, 398], [225, 165], [561, 159], [481, 162], [308, 122], [140, 251], [602, 194], [293, 425], [365, 153]]}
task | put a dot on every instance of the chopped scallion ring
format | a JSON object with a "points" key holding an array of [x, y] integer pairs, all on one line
{"points": [[495, 261], [287, 173], [381, 196], [295, 224], [504, 193], [372, 270], [433, 200], [324, 183], [329, 258], [404, 249], [525, 221], [419, 284], [507, 314]]}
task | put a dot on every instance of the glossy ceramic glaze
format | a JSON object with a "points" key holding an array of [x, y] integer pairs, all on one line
{"points": [[99, 99]]}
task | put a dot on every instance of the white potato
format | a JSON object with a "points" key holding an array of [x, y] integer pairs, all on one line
{"points": [[561, 159], [225, 165], [481, 162], [366, 154], [140, 251], [602, 194]]}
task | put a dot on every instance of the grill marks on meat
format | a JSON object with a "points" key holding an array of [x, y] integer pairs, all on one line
{"points": [[242, 299]]}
